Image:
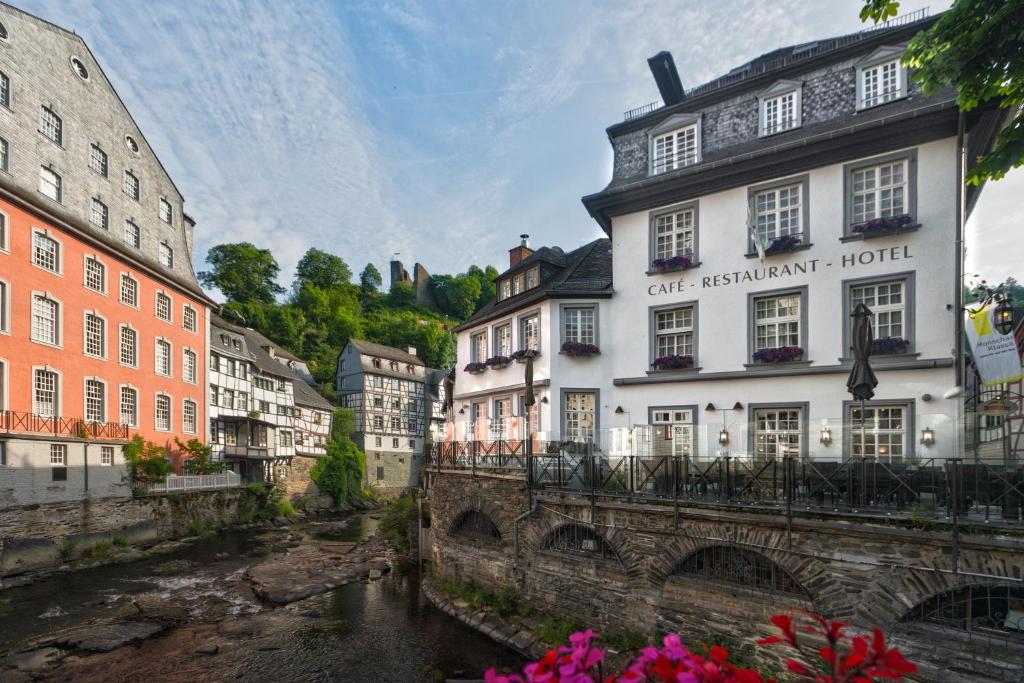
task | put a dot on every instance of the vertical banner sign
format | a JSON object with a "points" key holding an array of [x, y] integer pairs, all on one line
{"points": [[995, 355]]}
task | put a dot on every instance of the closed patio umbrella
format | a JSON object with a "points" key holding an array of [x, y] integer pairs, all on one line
{"points": [[449, 395], [529, 399], [862, 381]]}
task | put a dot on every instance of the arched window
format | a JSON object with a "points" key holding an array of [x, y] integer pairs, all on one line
{"points": [[738, 566], [580, 540], [975, 609], [476, 526]]}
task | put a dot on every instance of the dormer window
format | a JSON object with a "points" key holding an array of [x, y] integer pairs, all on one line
{"points": [[881, 78], [675, 143], [517, 284], [532, 278], [780, 108], [505, 289], [376, 362]]}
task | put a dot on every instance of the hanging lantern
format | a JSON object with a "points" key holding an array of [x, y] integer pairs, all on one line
{"points": [[1004, 315]]}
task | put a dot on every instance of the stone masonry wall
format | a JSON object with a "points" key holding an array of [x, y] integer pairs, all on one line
{"points": [[866, 574], [299, 487], [32, 536]]}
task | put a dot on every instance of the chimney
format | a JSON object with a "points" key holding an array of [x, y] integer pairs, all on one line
{"points": [[517, 255], [663, 68]]}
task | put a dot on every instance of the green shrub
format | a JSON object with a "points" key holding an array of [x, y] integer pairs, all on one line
{"points": [[557, 631], [199, 457], [340, 473], [394, 522], [100, 550], [122, 542], [147, 463]]}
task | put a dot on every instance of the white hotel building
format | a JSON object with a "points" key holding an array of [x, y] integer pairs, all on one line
{"points": [[810, 144]]}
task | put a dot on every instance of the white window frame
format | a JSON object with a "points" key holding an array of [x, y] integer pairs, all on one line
{"points": [[166, 255], [85, 334], [478, 346], [5, 310], [163, 357], [156, 412], [878, 433], [166, 212], [5, 155], [194, 327], [121, 404], [5, 232], [579, 323], [132, 233], [666, 139], [58, 322], [503, 339], [87, 399], [772, 104], [132, 186], [873, 184], [769, 214], [676, 325], [871, 70], [574, 415], [51, 184], [193, 376], [58, 251], [121, 290], [58, 455], [185, 427], [51, 125], [524, 338], [675, 427], [103, 213], [884, 313], [58, 380], [106, 456], [773, 433], [98, 160], [121, 346], [674, 232], [86, 261], [163, 296], [775, 322]]}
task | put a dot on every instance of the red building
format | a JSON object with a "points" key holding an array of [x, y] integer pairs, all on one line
{"points": [[103, 326]]}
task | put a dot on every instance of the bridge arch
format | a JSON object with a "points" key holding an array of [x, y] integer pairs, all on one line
{"points": [[583, 540], [740, 566], [475, 525], [989, 609]]}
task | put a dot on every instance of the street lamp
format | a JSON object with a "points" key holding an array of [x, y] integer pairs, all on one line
{"points": [[1004, 315]]}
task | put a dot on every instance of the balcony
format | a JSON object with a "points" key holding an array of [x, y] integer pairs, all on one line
{"points": [[254, 452], [14, 422]]}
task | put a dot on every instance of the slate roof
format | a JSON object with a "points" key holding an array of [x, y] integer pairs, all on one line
{"points": [[306, 395], [586, 271], [257, 355], [389, 352]]}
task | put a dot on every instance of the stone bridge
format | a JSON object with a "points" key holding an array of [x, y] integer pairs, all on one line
{"points": [[713, 572]]}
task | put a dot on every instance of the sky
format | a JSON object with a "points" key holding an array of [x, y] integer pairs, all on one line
{"points": [[436, 130]]}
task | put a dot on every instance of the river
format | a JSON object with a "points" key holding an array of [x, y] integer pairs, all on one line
{"points": [[382, 630]]}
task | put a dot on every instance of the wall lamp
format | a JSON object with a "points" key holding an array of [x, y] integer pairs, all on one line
{"points": [[928, 437], [826, 436], [723, 437]]}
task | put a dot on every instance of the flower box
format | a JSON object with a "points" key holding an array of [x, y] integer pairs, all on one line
{"points": [[781, 245], [475, 368], [782, 354], [498, 362], [578, 350], [888, 345], [663, 265], [883, 226], [521, 355], [672, 363]]}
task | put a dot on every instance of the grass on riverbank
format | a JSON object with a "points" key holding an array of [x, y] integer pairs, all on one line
{"points": [[395, 521], [505, 602]]}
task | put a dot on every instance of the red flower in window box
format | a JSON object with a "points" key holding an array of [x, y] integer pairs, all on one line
{"points": [[672, 362], [578, 350]]}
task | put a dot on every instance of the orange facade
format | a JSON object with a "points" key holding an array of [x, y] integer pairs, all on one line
{"points": [[22, 280]]}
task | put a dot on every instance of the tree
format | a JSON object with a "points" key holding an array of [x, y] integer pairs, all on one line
{"points": [[402, 295], [370, 280], [242, 272], [340, 473], [455, 295], [199, 457], [322, 270], [976, 46], [147, 463]]}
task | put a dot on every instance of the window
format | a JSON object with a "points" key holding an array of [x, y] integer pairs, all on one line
{"points": [[131, 144], [132, 233], [579, 324], [378, 422], [4, 221], [79, 68], [163, 306], [5, 155], [673, 332], [579, 416], [672, 431], [95, 410], [58, 454], [188, 318], [95, 336], [479, 347], [676, 149], [98, 160], [517, 284], [396, 423], [45, 320], [46, 252], [129, 353], [163, 357], [129, 406], [4, 305], [50, 183], [503, 340], [887, 302], [532, 278], [106, 455], [265, 406], [777, 432], [188, 366], [166, 255], [879, 431], [394, 442], [504, 289], [780, 108], [529, 332], [881, 78], [879, 190], [98, 214], [778, 212], [166, 212], [131, 185], [129, 290], [777, 321], [95, 275], [163, 412], [675, 234], [44, 395], [50, 125], [5, 90], [285, 439], [188, 417]]}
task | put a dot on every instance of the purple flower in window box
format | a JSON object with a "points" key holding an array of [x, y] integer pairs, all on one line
{"points": [[578, 349], [882, 226], [475, 368], [782, 354], [680, 262], [890, 345], [521, 355], [498, 362], [672, 362], [783, 244]]}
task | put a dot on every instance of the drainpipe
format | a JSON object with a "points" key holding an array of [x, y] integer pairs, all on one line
{"points": [[515, 533], [958, 299]]}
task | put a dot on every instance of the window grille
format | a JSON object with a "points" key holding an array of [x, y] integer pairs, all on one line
{"points": [[777, 322], [94, 408], [477, 526], [95, 335], [50, 125], [98, 160], [580, 540], [45, 319], [739, 567], [95, 275], [45, 252]]}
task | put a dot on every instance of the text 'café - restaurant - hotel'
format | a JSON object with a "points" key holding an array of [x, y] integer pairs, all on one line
{"points": [[830, 161]]}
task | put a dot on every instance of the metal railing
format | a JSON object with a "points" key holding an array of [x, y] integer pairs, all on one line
{"points": [[13, 422], [197, 482], [926, 489], [637, 112]]}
